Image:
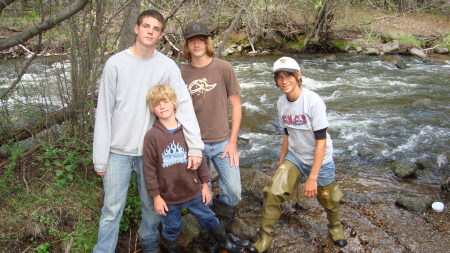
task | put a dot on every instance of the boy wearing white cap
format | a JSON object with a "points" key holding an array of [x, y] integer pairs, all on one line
{"points": [[306, 150]]}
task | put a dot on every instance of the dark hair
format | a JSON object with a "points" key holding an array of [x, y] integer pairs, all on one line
{"points": [[209, 47], [294, 74], [154, 14]]}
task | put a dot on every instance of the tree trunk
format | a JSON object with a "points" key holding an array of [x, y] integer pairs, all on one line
{"points": [[29, 33], [127, 36], [233, 25], [320, 32]]}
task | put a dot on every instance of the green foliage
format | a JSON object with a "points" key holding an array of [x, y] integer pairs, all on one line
{"points": [[43, 248], [408, 40], [295, 45], [7, 184], [238, 38], [446, 41], [64, 159], [340, 45]]}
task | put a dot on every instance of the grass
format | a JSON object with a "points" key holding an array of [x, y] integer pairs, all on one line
{"points": [[408, 40], [55, 200]]}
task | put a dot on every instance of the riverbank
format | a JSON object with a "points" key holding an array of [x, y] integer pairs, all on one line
{"points": [[363, 31], [354, 30]]}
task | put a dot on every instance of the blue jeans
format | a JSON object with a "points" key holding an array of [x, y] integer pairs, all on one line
{"points": [[229, 177], [172, 221], [115, 185], [326, 173]]}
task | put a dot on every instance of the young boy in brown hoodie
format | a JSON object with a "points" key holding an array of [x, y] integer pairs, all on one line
{"points": [[169, 181]]}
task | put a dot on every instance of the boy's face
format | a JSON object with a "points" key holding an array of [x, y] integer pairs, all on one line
{"points": [[149, 32], [287, 83], [197, 46], [164, 109]]}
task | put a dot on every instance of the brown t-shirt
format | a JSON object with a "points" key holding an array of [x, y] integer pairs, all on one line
{"points": [[210, 87]]}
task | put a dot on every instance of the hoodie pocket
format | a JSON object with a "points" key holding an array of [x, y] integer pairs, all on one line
{"points": [[180, 187]]}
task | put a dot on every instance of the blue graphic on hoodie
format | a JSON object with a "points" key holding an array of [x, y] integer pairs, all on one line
{"points": [[174, 154]]}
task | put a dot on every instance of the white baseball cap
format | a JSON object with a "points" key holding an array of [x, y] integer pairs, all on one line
{"points": [[286, 64]]}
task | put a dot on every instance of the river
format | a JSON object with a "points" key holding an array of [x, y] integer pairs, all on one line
{"points": [[396, 113]]}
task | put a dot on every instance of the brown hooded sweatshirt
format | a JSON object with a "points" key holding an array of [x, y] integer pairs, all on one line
{"points": [[165, 166]]}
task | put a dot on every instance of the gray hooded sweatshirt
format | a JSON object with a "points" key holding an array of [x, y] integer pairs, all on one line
{"points": [[123, 117]]}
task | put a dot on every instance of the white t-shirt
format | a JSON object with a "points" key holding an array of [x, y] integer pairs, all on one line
{"points": [[301, 118]]}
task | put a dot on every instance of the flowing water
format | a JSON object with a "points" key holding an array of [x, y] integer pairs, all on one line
{"points": [[399, 114], [402, 113], [396, 113]]}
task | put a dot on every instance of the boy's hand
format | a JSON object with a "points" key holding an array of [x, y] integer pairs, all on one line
{"points": [[310, 187], [160, 205], [194, 162], [231, 150], [206, 194]]}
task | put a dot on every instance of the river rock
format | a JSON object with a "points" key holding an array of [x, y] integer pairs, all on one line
{"points": [[417, 52], [368, 153], [243, 230], [404, 168], [330, 57], [441, 50], [414, 203], [190, 229], [390, 47], [372, 51], [395, 60]]}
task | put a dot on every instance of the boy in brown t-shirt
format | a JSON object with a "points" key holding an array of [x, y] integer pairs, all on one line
{"points": [[212, 84]]}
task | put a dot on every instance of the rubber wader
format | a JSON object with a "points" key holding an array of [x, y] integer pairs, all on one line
{"points": [[282, 184], [329, 197]]}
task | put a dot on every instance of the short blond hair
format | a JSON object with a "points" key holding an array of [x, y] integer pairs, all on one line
{"points": [[159, 93]]}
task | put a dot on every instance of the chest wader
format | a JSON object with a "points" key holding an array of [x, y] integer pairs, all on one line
{"points": [[329, 197], [282, 184], [278, 189]]}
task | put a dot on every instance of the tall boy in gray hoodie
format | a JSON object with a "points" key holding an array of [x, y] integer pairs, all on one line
{"points": [[123, 118]]}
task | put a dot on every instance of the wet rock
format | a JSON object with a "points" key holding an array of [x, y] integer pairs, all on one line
{"points": [[417, 52], [395, 60], [241, 229], [190, 229], [446, 186], [404, 168], [330, 57], [253, 180], [414, 203], [368, 153], [358, 198]]}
